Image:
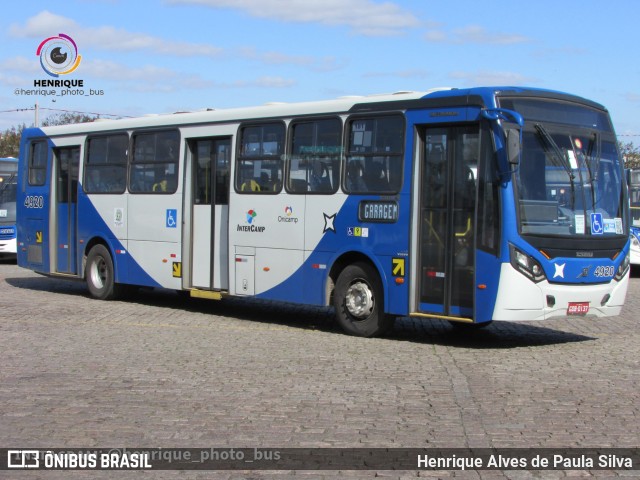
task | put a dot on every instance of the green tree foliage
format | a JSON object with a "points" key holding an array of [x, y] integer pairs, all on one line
{"points": [[67, 119], [10, 138], [10, 141], [631, 154]]}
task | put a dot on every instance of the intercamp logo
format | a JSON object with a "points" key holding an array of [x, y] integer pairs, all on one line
{"points": [[58, 55]]}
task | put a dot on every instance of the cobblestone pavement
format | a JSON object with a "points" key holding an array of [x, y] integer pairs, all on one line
{"points": [[162, 370]]}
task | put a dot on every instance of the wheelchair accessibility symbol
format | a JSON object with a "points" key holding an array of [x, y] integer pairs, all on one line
{"points": [[171, 220], [597, 225]]}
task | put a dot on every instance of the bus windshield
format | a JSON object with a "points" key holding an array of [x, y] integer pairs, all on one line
{"points": [[569, 181], [8, 195], [634, 197]]}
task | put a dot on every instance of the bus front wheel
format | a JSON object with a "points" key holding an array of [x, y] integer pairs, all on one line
{"points": [[100, 274], [358, 299]]}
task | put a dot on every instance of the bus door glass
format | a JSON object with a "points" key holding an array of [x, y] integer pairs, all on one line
{"points": [[447, 221], [67, 161], [210, 213]]}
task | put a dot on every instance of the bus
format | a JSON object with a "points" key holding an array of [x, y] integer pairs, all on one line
{"points": [[633, 179], [428, 204], [8, 174]]}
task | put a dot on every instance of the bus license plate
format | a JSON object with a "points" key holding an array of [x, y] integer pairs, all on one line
{"points": [[578, 308]]}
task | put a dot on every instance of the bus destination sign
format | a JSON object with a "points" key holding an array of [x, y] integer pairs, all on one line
{"points": [[378, 211]]}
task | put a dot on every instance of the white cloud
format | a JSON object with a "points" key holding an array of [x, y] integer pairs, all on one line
{"points": [[632, 97], [108, 37], [474, 34], [323, 64], [362, 16]]}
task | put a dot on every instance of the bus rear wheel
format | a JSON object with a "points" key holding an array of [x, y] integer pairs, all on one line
{"points": [[358, 299], [99, 274]]}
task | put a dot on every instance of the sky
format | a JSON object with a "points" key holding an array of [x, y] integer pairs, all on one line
{"points": [[162, 56]]}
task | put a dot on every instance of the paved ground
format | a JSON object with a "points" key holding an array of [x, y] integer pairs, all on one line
{"points": [[161, 370]]}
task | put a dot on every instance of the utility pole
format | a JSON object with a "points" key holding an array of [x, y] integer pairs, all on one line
{"points": [[37, 121]]}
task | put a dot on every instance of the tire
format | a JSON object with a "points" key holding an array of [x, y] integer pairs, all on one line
{"points": [[358, 299], [99, 274]]}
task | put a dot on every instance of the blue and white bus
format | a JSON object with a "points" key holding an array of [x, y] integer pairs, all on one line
{"points": [[426, 204], [634, 197], [8, 175]]}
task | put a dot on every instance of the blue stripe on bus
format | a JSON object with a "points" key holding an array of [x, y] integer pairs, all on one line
{"points": [[308, 284], [127, 270]]}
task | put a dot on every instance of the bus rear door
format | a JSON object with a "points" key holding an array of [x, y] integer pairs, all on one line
{"points": [[66, 197], [211, 159]]}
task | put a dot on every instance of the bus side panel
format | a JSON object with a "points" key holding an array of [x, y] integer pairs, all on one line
{"points": [[485, 298], [386, 245], [154, 234], [333, 229], [95, 216], [32, 207]]}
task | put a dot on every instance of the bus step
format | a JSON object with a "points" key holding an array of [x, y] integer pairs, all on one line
{"points": [[208, 294]]}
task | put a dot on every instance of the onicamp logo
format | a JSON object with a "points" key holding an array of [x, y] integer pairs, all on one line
{"points": [[251, 214], [288, 211], [59, 55]]}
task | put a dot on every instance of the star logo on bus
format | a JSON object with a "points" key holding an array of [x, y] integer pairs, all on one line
{"points": [[559, 270], [328, 223]]}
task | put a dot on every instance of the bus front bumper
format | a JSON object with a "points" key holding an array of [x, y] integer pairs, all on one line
{"points": [[520, 299], [8, 247]]}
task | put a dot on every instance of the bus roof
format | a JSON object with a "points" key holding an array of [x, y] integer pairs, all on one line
{"points": [[481, 96]]}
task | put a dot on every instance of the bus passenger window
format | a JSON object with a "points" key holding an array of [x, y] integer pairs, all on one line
{"points": [[38, 163], [316, 149], [105, 169], [259, 164], [376, 144], [154, 167]]}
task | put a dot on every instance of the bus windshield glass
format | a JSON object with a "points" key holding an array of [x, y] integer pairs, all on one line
{"points": [[7, 198], [634, 197], [569, 181]]}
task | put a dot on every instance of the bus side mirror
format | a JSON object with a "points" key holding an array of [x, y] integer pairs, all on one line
{"points": [[513, 146]]}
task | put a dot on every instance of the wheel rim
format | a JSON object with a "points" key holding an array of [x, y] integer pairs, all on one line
{"points": [[359, 299], [99, 273]]}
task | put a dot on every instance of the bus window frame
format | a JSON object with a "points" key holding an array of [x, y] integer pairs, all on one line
{"points": [[86, 166], [289, 155], [132, 163], [348, 154], [31, 168], [240, 158]]}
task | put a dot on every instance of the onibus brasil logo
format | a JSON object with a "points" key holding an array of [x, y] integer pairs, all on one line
{"points": [[59, 55]]}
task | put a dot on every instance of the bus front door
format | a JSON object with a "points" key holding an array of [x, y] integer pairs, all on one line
{"points": [[447, 221], [210, 213], [66, 194]]}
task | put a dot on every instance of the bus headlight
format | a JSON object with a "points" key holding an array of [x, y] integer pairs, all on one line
{"points": [[624, 266], [526, 265]]}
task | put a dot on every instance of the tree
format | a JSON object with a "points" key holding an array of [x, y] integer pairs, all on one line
{"points": [[10, 141], [67, 118], [10, 138], [631, 154]]}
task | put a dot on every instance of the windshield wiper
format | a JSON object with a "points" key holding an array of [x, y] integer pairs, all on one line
{"points": [[7, 182], [552, 147], [587, 162]]}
